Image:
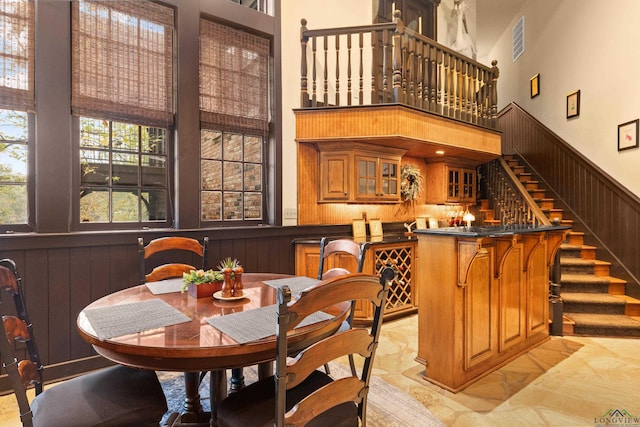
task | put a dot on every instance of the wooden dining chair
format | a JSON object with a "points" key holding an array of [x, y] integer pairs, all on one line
{"points": [[168, 250], [114, 396], [163, 247], [300, 394], [337, 249]]}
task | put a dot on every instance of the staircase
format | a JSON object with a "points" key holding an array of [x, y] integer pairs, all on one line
{"points": [[594, 302]]}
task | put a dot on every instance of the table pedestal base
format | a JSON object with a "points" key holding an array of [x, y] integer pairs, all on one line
{"points": [[178, 420], [192, 407]]}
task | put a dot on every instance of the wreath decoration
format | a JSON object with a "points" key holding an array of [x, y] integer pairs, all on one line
{"points": [[411, 184]]}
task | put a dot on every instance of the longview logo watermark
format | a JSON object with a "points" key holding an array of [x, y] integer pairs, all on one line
{"points": [[618, 418]]}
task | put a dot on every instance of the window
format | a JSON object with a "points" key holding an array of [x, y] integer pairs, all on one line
{"points": [[122, 100], [123, 172], [13, 167], [234, 116], [231, 176], [16, 102]]}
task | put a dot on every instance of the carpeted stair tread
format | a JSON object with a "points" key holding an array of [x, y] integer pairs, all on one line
{"points": [[600, 303], [572, 246], [604, 324], [583, 297], [589, 283], [585, 278], [567, 261], [576, 251], [603, 320]]}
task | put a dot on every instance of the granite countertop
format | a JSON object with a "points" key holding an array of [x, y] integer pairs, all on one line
{"points": [[490, 231]]}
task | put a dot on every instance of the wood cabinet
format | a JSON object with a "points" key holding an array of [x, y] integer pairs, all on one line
{"points": [[403, 296], [450, 183], [483, 301], [335, 170], [359, 173]]}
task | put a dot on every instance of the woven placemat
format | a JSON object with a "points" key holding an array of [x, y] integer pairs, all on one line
{"points": [[165, 286], [124, 319], [296, 284], [256, 324]]}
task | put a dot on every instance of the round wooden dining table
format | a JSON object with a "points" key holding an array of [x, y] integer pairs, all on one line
{"points": [[196, 346]]}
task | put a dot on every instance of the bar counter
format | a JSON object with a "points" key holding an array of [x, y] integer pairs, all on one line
{"points": [[483, 298]]}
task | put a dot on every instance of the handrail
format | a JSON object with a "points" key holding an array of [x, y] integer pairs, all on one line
{"points": [[512, 203], [394, 64]]}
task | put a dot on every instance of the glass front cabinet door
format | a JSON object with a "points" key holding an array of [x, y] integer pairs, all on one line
{"points": [[378, 178]]}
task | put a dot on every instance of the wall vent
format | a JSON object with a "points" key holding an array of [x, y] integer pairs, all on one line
{"points": [[518, 38]]}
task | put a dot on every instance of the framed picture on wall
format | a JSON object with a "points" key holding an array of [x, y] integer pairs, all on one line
{"points": [[628, 135], [535, 85], [573, 104]]}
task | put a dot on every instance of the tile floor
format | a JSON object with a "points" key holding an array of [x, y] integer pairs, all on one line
{"points": [[567, 381]]}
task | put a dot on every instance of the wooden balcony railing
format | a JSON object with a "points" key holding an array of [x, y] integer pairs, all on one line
{"points": [[388, 63]]}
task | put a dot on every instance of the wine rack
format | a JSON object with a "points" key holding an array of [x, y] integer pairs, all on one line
{"points": [[401, 295], [402, 254]]}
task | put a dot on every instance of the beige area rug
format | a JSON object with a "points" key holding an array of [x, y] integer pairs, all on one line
{"points": [[499, 386], [387, 405]]}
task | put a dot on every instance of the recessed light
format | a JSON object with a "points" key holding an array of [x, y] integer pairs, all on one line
{"points": [[440, 152]]}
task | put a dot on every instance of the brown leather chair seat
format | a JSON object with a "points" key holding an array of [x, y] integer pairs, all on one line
{"points": [[115, 396], [254, 406]]}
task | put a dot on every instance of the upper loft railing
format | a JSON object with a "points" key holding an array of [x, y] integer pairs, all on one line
{"points": [[389, 63]]}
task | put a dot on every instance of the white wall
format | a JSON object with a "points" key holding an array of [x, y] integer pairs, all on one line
{"points": [[319, 15], [586, 45]]}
